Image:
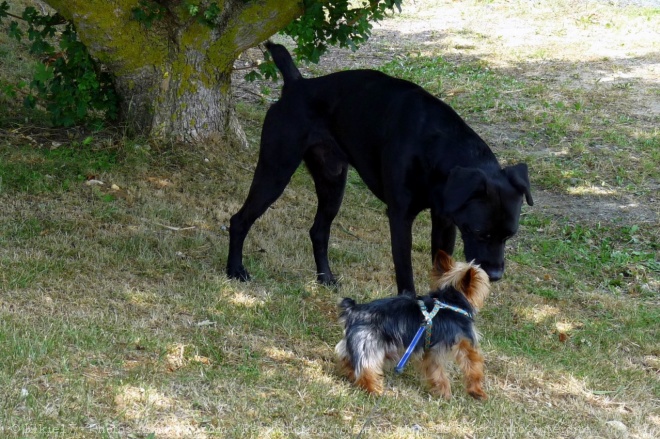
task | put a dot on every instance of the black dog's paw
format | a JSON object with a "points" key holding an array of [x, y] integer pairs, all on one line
{"points": [[327, 280], [239, 273]]}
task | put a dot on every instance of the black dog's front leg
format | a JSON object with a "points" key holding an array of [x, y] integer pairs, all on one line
{"points": [[443, 234], [401, 235]]}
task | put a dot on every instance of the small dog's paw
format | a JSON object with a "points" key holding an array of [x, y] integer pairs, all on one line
{"points": [[370, 382], [442, 392], [478, 394]]}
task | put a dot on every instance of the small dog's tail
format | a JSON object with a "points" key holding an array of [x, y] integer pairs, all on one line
{"points": [[466, 277], [346, 304], [284, 62]]}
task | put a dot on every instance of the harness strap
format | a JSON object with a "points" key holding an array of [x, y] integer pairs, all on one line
{"points": [[429, 320], [427, 328]]}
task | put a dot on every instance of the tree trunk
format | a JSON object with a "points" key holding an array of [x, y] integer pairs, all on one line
{"points": [[174, 78]]}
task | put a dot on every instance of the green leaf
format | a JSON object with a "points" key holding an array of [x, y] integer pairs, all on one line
{"points": [[43, 73], [193, 10], [14, 31], [4, 7]]}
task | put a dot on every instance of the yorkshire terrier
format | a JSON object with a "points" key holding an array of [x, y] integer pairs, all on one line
{"points": [[380, 331]]}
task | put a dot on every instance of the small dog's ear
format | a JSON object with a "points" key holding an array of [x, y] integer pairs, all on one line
{"points": [[475, 286], [442, 263], [466, 282]]}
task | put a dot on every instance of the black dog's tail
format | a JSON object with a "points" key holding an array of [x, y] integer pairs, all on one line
{"points": [[284, 62]]}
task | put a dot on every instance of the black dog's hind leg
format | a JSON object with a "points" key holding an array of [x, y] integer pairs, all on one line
{"points": [[329, 170], [270, 178]]}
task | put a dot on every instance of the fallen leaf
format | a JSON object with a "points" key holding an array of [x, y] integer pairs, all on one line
{"points": [[200, 359], [160, 182]]}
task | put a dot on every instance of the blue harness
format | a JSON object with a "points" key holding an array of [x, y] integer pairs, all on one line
{"points": [[427, 327]]}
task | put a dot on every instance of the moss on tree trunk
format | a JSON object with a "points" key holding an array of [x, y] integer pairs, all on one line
{"points": [[174, 78]]}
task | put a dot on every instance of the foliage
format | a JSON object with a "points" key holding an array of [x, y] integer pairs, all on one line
{"points": [[68, 82], [335, 22]]}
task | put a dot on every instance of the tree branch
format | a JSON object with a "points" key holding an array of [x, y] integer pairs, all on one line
{"points": [[258, 20]]}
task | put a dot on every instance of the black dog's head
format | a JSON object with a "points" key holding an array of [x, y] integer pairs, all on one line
{"points": [[486, 208]]}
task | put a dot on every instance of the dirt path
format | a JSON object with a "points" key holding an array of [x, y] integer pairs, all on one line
{"points": [[594, 209]]}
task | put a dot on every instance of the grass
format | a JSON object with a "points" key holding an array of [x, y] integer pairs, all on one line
{"points": [[117, 321]]}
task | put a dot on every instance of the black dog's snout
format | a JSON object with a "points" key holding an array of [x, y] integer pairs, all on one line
{"points": [[494, 272], [495, 275]]}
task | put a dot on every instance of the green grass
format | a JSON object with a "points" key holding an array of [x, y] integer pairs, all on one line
{"points": [[46, 170], [112, 323], [116, 318], [472, 87]]}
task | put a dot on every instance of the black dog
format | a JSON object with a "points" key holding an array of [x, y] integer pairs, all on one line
{"points": [[412, 151]]}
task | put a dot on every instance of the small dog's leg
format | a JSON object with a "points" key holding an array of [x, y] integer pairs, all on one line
{"points": [[471, 363], [371, 381], [346, 368], [369, 368], [345, 365], [434, 373]]}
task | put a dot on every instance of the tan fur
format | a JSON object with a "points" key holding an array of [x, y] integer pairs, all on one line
{"points": [[371, 381], [432, 369], [466, 277], [345, 366], [471, 362]]}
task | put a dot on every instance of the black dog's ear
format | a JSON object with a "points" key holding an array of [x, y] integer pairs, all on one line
{"points": [[463, 184], [517, 175]]}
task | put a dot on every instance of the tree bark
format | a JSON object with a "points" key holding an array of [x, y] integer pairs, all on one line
{"points": [[174, 78]]}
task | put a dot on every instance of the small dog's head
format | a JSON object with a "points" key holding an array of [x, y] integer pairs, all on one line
{"points": [[466, 277]]}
